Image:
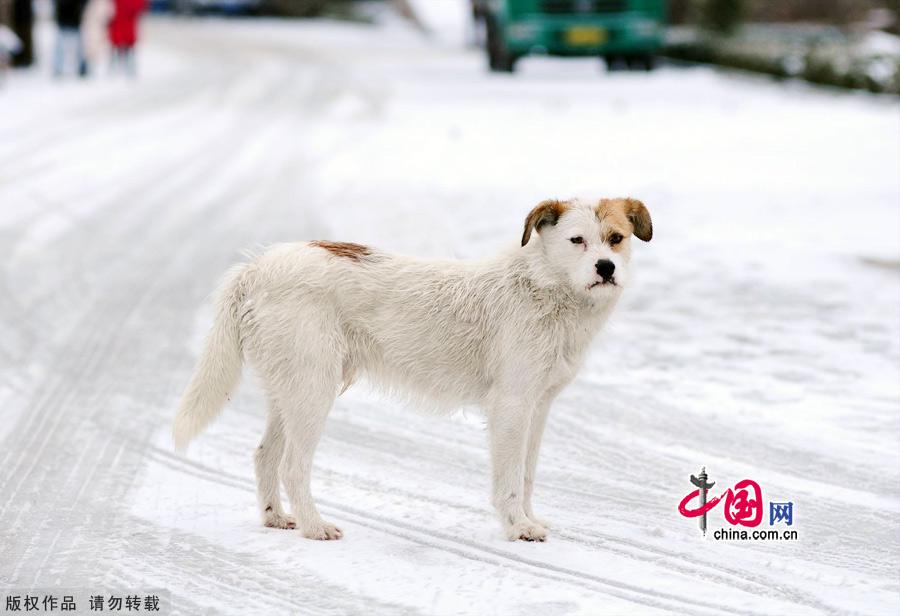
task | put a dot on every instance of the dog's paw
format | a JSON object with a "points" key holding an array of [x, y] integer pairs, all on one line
{"points": [[274, 520], [526, 531], [323, 531]]}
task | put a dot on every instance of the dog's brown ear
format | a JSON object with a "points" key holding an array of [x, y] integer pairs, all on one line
{"points": [[544, 213], [640, 219]]}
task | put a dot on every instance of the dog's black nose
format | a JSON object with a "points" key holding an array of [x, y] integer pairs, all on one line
{"points": [[605, 269]]}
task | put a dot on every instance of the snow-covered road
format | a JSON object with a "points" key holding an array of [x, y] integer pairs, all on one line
{"points": [[761, 337]]}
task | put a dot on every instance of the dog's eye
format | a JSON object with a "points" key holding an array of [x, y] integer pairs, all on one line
{"points": [[577, 239], [615, 238]]}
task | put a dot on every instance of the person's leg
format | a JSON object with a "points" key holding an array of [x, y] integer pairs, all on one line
{"points": [[119, 59], [130, 62], [68, 50], [79, 54], [59, 53]]}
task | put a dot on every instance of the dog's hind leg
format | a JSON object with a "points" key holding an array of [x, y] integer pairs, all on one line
{"points": [[298, 352], [304, 386], [268, 459], [303, 428]]}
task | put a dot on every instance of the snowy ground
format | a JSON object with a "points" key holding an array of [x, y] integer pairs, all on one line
{"points": [[761, 337]]}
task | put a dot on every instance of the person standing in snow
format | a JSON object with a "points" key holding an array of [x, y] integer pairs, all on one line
{"points": [[68, 40], [9, 45], [123, 32], [94, 24]]}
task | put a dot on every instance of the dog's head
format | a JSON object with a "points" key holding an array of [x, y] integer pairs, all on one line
{"points": [[588, 243]]}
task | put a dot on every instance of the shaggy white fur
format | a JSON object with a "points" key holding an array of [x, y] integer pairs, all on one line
{"points": [[505, 333]]}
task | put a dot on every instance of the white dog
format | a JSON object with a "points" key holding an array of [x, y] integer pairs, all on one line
{"points": [[505, 333]]}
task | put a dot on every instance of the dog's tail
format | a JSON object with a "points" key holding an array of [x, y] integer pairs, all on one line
{"points": [[219, 368]]}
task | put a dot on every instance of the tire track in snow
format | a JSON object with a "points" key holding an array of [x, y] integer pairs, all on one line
{"points": [[89, 364], [267, 584], [436, 450], [184, 172], [463, 547], [69, 284], [92, 350], [382, 441], [95, 343]]}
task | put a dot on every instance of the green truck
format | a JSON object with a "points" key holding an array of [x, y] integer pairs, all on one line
{"points": [[627, 33]]}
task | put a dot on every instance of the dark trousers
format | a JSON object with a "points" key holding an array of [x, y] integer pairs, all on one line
{"points": [[22, 22]]}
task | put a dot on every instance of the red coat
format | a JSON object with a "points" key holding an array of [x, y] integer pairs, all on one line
{"points": [[123, 25]]}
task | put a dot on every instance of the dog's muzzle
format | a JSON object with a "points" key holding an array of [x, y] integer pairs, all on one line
{"points": [[606, 270]]}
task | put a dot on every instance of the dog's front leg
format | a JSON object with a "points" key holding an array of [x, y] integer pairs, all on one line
{"points": [[509, 420], [535, 434]]}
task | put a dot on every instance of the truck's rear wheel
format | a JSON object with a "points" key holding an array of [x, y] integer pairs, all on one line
{"points": [[499, 57], [642, 62], [615, 62], [631, 62]]}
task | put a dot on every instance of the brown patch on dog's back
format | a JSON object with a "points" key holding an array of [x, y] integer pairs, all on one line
{"points": [[625, 213], [545, 212], [347, 250]]}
